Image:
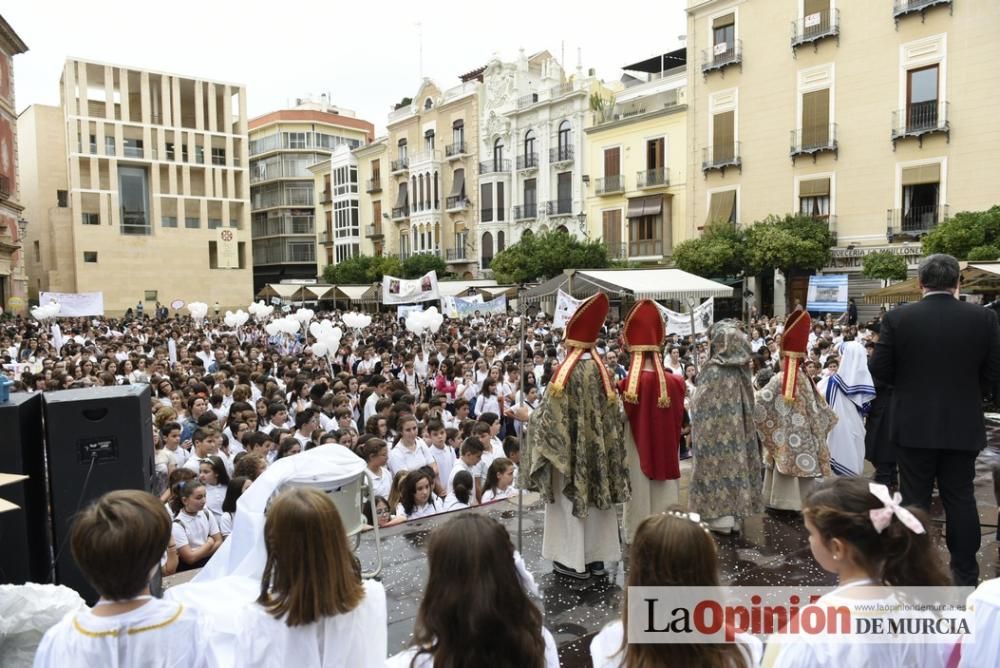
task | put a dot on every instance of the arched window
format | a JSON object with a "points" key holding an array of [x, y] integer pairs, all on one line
{"points": [[458, 136], [562, 228], [401, 147], [487, 248], [500, 242], [420, 198], [437, 199], [498, 155], [563, 140], [429, 140], [428, 103], [527, 233], [529, 146]]}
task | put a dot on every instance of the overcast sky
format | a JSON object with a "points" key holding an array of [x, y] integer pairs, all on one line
{"points": [[364, 54]]}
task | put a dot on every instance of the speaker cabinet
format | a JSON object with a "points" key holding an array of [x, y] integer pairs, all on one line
{"points": [[98, 440], [25, 530]]}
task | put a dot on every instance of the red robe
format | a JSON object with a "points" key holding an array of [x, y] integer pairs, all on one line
{"points": [[657, 431]]}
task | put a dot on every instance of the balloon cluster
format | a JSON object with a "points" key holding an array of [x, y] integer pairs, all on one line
{"points": [[260, 310], [198, 310], [236, 320], [46, 311], [303, 315], [357, 321], [287, 325], [422, 322], [327, 338]]}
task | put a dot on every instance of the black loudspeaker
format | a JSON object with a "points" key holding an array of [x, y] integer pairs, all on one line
{"points": [[24, 531], [98, 440]]}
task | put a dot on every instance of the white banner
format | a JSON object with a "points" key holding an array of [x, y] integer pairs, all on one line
{"points": [[227, 250], [450, 309], [680, 323], [74, 304], [565, 308], [404, 310], [403, 291]]}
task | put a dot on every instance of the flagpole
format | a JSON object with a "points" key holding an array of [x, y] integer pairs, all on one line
{"points": [[694, 343]]}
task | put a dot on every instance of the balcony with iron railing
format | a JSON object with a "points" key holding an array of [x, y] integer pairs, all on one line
{"points": [[721, 56], [422, 159], [559, 207], [721, 156], [525, 211], [527, 161], [816, 27], [400, 165], [527, 100], [400, 212], [901, 8], [813, 141], [456, 203], [608, 185], [373, 230], [914, 221], [616, 251], [404, 255], [658, 177], [373, 185], [326, 197], [494, 166], [455, 151], [561, 154], [645, 248], [920, 119], [461, 254]]}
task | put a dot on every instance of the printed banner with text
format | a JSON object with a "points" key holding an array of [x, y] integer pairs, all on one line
{"points": [[467, 307], [405, 291], [75, 304], [565, 308], [680, 323]]}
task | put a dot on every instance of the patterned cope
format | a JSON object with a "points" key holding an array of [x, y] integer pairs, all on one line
{"points": [[794, 434], [726, 476], [581, 435]]}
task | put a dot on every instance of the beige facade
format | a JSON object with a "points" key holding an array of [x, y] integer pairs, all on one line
{"points": [[878, 117], [432, 148], [155, 189], [637, 157], [283, 145], [13, 277], [375, 200]]}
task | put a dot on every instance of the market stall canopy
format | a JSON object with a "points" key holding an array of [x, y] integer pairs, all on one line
{"points": [[357, 293], [311, 293], [460, 288], [280, 290], [976, 278], [633, 283]]}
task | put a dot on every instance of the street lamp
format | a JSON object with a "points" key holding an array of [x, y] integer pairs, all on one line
{"points": [[22, 225], [582, 218]]}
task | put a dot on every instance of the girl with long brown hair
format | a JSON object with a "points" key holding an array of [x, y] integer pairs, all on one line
{"points": [[476, 610], [313, 608], [672, 549]]}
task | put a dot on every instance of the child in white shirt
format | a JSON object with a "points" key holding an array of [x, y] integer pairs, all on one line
{"points": [[214, 476], [195, 529], [418, 497], [471, 461], [499, 480]]}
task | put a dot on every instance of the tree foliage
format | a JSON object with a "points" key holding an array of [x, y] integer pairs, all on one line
{"points": [[361, 269], [789, 242], [541, 256], [719, 251], [969, 235], [417, 265], [885, 266]]}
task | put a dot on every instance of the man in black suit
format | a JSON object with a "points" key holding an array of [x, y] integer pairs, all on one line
{"points": [[936, 409]]}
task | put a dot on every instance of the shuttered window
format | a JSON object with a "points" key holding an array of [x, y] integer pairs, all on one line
{"points": [[722, 206], [723, 132], [923, 174], [612, 161], [816, 118]]}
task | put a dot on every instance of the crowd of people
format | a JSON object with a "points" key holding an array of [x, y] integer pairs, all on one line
{"points": [[778, 413]]}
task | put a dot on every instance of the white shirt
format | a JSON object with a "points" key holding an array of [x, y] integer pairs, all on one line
{"points": [[432, 507], [193, 530], [215, 495], [226, 524], [381, 482], [606, 644], [369, 405], [445, 458], [405, 658], [355, 638], [402, 458], [162, 633], [496, 494], [478, 472]]}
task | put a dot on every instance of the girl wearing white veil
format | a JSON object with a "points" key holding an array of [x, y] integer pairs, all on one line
{"points": [[848, 391]]}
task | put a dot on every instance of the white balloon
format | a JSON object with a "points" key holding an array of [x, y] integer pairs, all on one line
{"points": [[271, 328], [319, 349]]}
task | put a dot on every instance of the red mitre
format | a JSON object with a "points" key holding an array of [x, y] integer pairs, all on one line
{"points": [[581, 334], [642, 333], [794, 341]]}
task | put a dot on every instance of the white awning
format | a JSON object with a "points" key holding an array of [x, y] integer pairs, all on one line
{"points": [[354, 292], [653, 283], [455, 288], [282, 290]]}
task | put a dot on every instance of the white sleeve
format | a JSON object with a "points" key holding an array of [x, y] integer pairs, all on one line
{"points": [[179, 534], [226, 524], [213, 524]]}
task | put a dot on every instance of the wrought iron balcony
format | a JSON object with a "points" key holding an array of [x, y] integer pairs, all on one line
{"points": [[901, 8], [721, 156], [561, 154], [914, 221], [652, 178], [456, 203], [919, 119], [494, 166], [374, 230], [326, 197], [400, 212], [527, 161], [455, 150], [816, 27], [813, 141], [559, 207], [373, 185], [400, 164], [460, 254], [721, 56], [645, 248], [610, 184], [525, 211]]}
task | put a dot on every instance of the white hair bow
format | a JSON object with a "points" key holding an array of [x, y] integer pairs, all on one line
{"points": [[892, 506]]}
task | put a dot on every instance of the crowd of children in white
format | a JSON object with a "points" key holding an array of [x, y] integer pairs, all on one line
{"points": [[227, 404]]}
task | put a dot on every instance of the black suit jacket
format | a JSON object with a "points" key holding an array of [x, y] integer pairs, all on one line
{"points": [[937, 354]]}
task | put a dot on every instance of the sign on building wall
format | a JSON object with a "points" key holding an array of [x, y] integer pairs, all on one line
{"points": [[228, 254]]}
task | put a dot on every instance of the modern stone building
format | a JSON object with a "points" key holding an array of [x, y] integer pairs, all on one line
{"points": [[137, 187]]}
